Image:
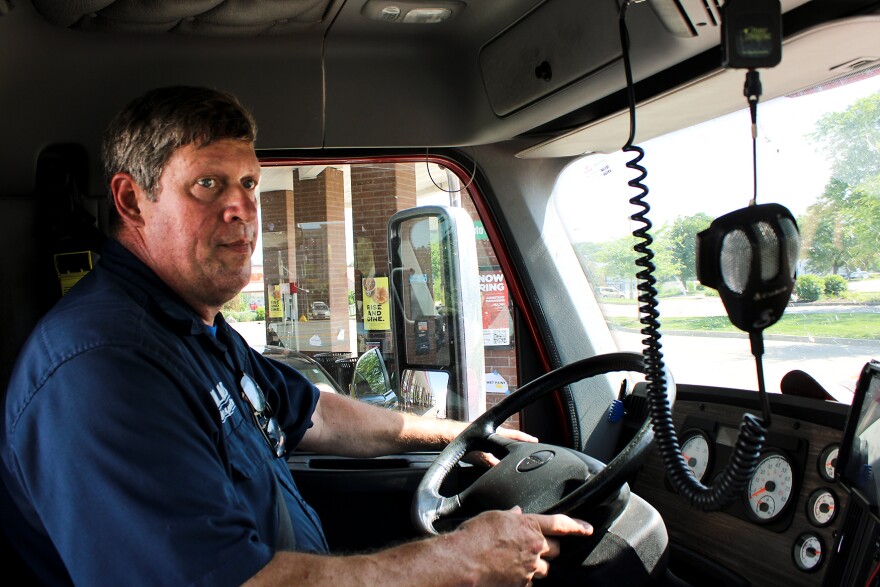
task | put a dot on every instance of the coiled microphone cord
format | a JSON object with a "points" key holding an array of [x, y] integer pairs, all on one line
{"points": [[751, 432]]}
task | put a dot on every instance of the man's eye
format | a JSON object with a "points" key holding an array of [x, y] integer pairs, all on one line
{"points": [[208, 182], [249, 184]]}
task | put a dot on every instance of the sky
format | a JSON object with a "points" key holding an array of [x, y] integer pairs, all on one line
{"points": [[708, 168]]}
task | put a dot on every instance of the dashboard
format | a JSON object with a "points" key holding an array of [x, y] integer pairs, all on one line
{"points": [[793, 525]]}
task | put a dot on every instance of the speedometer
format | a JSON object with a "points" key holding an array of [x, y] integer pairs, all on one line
{"points": [[770, 488]]}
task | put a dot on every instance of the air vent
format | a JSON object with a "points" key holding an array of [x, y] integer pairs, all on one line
{"points": [[689, 18], [713, 13]]}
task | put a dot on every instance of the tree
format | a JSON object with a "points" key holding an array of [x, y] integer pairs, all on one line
{"points": [[588, 255], [236, 305], [618, 257], [676, 247], [437, 274], [851, 140], [842, 229], [828, 232], [607, 260]]}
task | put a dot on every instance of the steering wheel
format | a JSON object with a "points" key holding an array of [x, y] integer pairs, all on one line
{"points": [[538, 477]]}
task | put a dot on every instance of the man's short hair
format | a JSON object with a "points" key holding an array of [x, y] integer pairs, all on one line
{"points": [[145, 134]]}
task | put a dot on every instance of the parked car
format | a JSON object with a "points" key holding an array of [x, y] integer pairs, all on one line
{"points": [[859, 274], [320, 311], [379, 394], [305, 364], [610, 292]]}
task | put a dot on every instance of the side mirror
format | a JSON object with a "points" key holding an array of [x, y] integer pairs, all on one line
{"points": [[370, 382], [436, 314]]}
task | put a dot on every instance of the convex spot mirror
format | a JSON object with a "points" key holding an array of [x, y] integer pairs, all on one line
{"points": [[370, 382], [421, 392], [424, 393]]}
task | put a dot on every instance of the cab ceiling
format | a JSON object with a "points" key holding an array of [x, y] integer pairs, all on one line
{"points": [[326, 73], [193, 17]]}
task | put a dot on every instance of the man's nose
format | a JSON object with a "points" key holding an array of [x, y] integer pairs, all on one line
{"points": [[241, 205]]}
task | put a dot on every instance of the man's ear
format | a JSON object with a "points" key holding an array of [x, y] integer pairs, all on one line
{"points": [[126, 194]]}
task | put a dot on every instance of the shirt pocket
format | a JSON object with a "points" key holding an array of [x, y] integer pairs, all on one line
{"points": [[248, 451]]}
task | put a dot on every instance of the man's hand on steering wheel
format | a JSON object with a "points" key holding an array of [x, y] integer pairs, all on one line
{"points": [[512, 548], [487, 459]]}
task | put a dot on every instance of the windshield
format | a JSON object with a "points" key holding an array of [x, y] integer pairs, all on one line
{"points": [[818, 154]]}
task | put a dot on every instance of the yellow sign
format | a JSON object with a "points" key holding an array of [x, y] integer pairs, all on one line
{"points": [[276, 304], [71, 267], [377, 309]]}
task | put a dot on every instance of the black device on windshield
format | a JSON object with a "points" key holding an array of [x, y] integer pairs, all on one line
{"points": [[858, 460], [751, 33]]}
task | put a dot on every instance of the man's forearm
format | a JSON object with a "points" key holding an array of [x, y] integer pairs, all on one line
{"points": [[347, 427], [436, 562], [494, 548]]}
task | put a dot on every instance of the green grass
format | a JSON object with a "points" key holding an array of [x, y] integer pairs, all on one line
{"points": [[826, 325], [856, 296]]}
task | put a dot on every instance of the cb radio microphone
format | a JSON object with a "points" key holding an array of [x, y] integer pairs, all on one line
{"points": [[750, 256]]}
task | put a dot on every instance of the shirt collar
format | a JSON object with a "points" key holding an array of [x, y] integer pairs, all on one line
{"points": [[143, 283]]}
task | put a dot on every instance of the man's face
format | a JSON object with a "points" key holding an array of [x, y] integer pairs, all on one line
{"points": [[201, 231]]}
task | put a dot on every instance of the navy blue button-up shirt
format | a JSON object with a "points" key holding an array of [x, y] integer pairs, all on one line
{"points": [[129, 456]]}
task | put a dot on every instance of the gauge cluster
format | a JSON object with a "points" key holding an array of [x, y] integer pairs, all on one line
{"points": [[707, 447], [791, 508]]}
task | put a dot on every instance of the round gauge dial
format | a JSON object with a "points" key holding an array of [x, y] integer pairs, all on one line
{"points": [[828, 462], [769, 489], [821, 507], [808, 552], [697, 452]]}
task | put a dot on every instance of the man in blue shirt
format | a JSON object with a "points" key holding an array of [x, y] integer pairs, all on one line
{"points": [[143, 441]]}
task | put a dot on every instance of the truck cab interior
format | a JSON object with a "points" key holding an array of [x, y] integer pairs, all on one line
{"points": [[540, 213]]}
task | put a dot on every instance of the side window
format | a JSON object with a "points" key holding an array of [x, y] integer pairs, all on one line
{"points": [[319, 297]]}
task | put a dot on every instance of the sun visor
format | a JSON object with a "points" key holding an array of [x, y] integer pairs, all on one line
{"points": [[546, 50], [809, 58]]}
